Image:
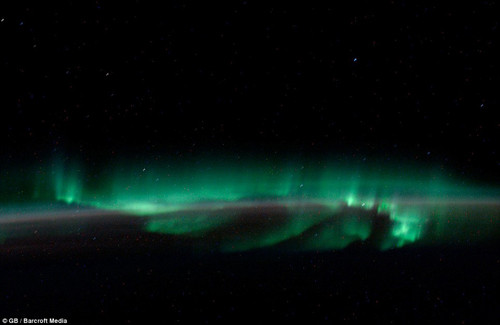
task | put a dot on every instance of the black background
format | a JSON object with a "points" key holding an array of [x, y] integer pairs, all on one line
{"points": [[150, 278], [109, 80]]}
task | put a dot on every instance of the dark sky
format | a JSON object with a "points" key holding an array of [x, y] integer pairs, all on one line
{"points": [[107, 80]]}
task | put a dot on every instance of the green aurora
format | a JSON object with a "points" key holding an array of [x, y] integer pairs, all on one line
{"points": [[244, 205]]}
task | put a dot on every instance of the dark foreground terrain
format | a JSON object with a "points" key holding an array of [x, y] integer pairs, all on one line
{"points": [[120, 278]]}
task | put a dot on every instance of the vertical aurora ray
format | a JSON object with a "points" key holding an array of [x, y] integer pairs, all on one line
{"points": [[68, 182]]}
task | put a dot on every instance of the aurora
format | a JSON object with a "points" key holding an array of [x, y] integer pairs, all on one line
{"points": [[241, 205]]}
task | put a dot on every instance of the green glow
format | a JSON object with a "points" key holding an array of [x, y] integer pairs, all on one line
{"points": [[204, 197], [185, 224], [147, 190], [408, 227], [355, 227], [67, 183]]}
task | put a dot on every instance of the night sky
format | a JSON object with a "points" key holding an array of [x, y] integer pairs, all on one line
{"points": [[101, 81]]}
